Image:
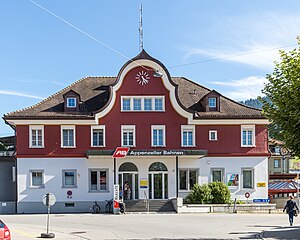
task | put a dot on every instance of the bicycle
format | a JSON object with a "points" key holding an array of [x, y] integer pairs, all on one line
{"points": [[96, 208], [108, 206]]}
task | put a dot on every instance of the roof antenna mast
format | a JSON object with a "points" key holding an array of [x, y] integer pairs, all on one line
{"points": [[141, 29]]}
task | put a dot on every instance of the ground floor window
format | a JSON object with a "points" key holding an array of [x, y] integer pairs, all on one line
{"points": [[36, 178], [187, 178], [69, 178], [217, 175], [98, 179], [248, 176]]}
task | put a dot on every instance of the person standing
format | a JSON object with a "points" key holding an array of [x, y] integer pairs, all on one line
{"points": [[291, 208]]}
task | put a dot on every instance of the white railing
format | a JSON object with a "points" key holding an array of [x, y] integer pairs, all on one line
{"points": [[6, 153], [146, 200]]}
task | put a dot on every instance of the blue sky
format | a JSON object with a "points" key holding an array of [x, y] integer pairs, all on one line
{"points": [[228, 46]]}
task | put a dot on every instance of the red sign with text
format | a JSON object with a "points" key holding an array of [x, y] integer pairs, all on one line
{"points": [[120, 152]]}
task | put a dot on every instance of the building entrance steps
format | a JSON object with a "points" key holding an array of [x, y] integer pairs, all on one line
{"points": [[154, 206]]}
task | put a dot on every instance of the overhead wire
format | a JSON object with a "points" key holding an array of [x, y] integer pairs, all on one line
{"points": [[129, 59]]}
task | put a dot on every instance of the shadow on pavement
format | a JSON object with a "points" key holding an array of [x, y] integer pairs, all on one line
{"points": [[283, 233]]}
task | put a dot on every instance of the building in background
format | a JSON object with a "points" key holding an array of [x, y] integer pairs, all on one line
{"points": [[7, 175], [179, 134]]}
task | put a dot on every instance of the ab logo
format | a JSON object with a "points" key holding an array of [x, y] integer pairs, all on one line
{"points": [[120, 152]]}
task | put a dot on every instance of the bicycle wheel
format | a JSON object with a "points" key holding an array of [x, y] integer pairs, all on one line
{"points": [[96, 208]]}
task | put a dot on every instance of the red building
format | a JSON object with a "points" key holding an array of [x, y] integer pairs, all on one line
{"points": [[179, 133]]}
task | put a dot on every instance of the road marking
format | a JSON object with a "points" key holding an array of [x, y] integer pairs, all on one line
{"points": [[25, 233]]}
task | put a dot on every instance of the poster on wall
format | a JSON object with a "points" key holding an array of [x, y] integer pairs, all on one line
{"points": [[232, 180]]}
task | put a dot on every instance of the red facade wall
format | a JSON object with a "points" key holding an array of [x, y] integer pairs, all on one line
{"points": [[229, 137]]}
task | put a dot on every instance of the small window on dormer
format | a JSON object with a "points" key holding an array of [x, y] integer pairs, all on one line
{"points": [[212, 102], [71, 102]]}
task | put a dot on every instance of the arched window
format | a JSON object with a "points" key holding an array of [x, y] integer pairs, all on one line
{"points": [[158, 166], [128, 167]]}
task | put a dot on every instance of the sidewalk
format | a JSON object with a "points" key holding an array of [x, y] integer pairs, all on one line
{"points": [[282, 233]]}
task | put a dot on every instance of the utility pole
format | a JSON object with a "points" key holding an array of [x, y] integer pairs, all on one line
{"points": [[141, 29]]}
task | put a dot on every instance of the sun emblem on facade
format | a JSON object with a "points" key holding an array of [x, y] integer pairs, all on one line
{"points": [[142, 77]]}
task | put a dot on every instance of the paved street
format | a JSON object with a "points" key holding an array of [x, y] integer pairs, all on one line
{"points": [[154, 226]]}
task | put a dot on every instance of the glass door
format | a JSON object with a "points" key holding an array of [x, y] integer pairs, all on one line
{"points": [[128, 183], [158, 185]]}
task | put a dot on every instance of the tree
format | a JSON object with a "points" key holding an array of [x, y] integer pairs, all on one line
{"points": [[283, 90], [220, 192]]}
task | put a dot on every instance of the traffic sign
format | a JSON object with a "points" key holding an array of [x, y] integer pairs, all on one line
{"points": [[261, 200], [120, 152], [49, 199], [247, 194]]}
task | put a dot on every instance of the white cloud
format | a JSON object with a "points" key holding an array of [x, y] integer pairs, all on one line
{"points": [[252, 39], [19, 94], [242, 89]]}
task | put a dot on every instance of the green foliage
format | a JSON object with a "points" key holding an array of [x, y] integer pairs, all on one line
{"points": [[220, 192], [283, 90], [2, 147], [212, 193], [200, 194]]}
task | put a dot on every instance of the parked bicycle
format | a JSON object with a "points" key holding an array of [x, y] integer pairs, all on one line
{"points": [[96, 208], [109, 206]]}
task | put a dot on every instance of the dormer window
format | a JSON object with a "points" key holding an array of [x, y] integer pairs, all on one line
{"points": [[212, 102], [71, 102]]}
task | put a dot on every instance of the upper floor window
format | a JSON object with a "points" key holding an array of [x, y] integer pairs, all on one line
{"points": [[36, 136], [213, 135], [98, 136], [142, 103], [71, 102], [187, 136], [137, 104], [248, 136], [126, 104], [128, 135], [158, 136], [212, 102], [68, 136], [276, 163]]}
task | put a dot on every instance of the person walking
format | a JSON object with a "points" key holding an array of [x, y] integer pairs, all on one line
{"points": [[291, 209]]}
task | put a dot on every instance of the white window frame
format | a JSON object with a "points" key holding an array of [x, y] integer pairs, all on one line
{"points": [[278, 165], [158, 127], [36, 127], [67, 127], [215, 102], [63, 178], [248, 128], [98, 170], [242, 178], [98, 127], [217, 169], [188, 170], [43, 178], [142, 98], [210, 135], [189, 128], [68, 103], [125, 128]]}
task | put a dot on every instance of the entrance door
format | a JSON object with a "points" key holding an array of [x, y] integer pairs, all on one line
{"points": [[158, 185], [158, 181], [131, 179]]}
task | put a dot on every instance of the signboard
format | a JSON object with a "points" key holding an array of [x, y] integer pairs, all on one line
{"points": [[143, 183], [116, 198], [120, 152], [247, 195], [261, 200], [232, 180], [49, 199], [261, 184]]}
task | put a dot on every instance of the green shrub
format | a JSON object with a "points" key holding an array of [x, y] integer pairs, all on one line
{"points": [[200, 194], [214, 192], [220, 193]]}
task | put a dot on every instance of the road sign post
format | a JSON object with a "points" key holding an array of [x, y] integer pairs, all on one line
{"points": [[247, 195], [49, 200]]}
